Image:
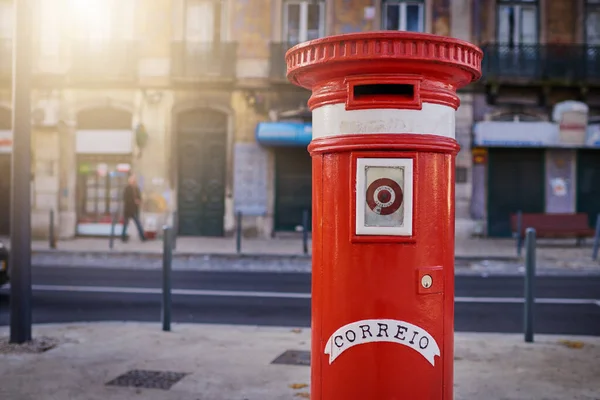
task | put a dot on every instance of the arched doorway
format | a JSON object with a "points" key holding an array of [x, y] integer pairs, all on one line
{"points": [[5, 169], [104, 146], [201, 153]]}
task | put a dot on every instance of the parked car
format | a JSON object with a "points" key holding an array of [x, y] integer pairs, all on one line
{"points": [[3, 264]]}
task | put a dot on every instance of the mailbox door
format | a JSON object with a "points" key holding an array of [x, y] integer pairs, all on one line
{"points": [[383, 273]]}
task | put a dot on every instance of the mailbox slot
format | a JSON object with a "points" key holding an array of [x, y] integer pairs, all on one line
{"points": [[401, 91], [378, 91]]}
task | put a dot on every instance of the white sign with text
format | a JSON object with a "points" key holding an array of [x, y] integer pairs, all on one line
{"points": [[382, 330]]}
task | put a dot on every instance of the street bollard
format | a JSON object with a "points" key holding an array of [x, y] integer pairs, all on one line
{"points": [[166, 281], [305, 231], [596, 239], [383, 154], [113, 223], [238, 232], [529, 284], [51, 233], [175, 228], [519, 234]]}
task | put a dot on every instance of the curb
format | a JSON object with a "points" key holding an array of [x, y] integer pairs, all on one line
{"points": [[108, 254]]}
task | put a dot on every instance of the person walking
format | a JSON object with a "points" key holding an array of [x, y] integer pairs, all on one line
{"points": [[132, 199]]}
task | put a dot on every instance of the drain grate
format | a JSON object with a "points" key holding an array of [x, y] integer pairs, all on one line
{"points": [[148, 379], [293, 357]]}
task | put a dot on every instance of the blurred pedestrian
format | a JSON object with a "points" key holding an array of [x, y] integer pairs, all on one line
{"points": [[132, 200]]}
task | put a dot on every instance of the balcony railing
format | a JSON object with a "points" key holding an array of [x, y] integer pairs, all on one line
{"points": [[104, 61], [203, 61], [278, 67], [552, 63]]}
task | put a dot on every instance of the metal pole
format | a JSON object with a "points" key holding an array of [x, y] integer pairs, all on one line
{"points": [[596, 239], [529, 284], [305, 231], [175, 228], [20, 233], [51, 235], [111, 241], [519, 232], [238, 233], [166, 290]]}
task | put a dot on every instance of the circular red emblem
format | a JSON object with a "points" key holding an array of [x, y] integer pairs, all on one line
{"points": [[384, 196]]}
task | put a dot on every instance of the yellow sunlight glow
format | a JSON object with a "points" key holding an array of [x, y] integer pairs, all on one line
{"points": [[92, 18]]}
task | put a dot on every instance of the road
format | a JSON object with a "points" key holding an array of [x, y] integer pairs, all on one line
{"points": [[566, 305]]}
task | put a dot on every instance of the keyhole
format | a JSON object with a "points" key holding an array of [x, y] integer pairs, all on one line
{"points": [[426, 281]]}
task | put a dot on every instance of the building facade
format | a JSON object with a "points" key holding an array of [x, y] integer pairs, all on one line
{"points": [[536, 134], [190, 95]]}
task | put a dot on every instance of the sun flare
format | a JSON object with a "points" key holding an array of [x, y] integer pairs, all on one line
{"points": [[92, 18]]}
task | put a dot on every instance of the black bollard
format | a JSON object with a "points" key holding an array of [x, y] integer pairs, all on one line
{"points": [[238, 232], [175, 229], [166, 281], [111, 240], [519, 234], [529, 284], [51, 233]]}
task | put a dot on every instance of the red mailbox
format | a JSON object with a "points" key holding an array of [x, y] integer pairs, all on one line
{"points": [[383, 154]]}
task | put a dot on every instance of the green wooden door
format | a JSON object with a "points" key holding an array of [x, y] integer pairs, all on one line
{"points": [[515, 182], [588, 184], [202, 139]]}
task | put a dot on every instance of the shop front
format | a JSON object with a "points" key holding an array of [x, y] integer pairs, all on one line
{"points": [[293, 170], [535, 167], [103, 162]]}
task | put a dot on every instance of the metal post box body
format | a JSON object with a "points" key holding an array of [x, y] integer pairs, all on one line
{"points": [[383, 154]]}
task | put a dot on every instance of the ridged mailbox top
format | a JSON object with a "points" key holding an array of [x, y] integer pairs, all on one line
{"points": [[384, 64]]}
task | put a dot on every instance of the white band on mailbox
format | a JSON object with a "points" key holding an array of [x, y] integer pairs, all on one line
{"points": [[432, 119]]}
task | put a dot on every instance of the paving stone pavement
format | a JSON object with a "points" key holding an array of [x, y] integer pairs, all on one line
{"points": [[224, 362]]}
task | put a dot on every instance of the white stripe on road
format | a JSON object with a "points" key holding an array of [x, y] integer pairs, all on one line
{"points": [[184, 292], [283, 295], [521, 300]]}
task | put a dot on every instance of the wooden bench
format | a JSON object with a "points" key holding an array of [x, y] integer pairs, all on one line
{"points": [[556, 226]]}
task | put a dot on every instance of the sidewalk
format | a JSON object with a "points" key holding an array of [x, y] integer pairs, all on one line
{"points": [[234, 363], [473, 255]]}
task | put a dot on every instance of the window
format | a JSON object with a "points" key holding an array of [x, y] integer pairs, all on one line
{"points": [[203, 21], [592, 23], [49, 28], [592, 37], [404, 15], [517, 36], [6, 19], [303, 20], [462, 174], [517, 22], [102, 20]]}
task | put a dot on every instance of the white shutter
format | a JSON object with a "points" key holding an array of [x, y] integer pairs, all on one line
{"points": [[124, 15], [200, 21], [50, 27], [503, 24], [593, 28], [6, 20], [528, 25], [91, 18]]}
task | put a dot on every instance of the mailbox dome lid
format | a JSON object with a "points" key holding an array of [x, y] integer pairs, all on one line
{"points": [[453, 61]]}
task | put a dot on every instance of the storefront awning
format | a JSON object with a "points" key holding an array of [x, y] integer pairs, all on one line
{"points": [[284, 133], [534, 134]]}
